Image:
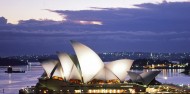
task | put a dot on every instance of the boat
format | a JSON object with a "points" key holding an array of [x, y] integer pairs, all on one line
{"points": [[10, 70]]}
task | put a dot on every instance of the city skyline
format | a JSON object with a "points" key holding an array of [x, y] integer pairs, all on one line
{"points": [[145, 26]]}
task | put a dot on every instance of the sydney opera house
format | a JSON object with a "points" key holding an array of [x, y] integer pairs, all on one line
{"points": [[85, 72]]}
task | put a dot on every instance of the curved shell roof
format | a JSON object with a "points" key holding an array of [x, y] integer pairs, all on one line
{"points": [[145, 77], [120, 67], [134, 76], [86, 66], [149, 76], [69, 68], [89, 61], [48, 66], [52, 68], [105, 74]]}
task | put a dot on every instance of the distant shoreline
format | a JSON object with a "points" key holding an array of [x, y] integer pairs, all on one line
{"points": [[13, 65], [157, 68]]}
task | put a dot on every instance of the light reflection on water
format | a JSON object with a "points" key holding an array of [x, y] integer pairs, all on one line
{"points": [[173, 76], [11, 83]]}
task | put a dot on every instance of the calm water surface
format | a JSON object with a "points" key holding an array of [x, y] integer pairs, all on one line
{"points": [[11, 83]]}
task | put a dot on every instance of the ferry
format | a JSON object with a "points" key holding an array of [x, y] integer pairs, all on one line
{"points": [[10, 70]]}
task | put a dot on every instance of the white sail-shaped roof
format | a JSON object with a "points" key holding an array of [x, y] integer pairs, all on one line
{"points": [[105, 74], [75, 73], [134, 76], [149, 76], [66, 64], [58, 70], [120, 68], [145, 77], [101, 75], [90, 62], [69, 69], [48, 66]]}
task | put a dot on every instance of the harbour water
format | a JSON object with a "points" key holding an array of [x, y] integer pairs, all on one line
{"points": [[11, 83]]}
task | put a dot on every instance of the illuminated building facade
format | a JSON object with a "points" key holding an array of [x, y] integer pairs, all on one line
{"points": [[87, 73]]}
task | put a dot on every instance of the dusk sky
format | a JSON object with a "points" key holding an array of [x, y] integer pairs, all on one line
{"points": [[47, 26]]}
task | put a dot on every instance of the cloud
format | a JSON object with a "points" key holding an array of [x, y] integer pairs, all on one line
{"points": [[150, 27], [3, 21], [172, 16], [157, 17], [33, 22]]}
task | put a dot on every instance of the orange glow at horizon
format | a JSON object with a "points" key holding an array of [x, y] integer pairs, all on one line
{"points": [[90, 22]]}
